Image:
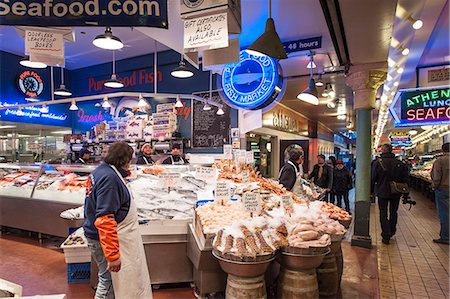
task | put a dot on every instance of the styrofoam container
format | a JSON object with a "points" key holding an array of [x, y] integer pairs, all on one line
{"points": [[76, 253]]}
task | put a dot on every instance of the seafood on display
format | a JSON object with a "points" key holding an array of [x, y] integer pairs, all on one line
{"points": [[76, 213], [335, 212]]}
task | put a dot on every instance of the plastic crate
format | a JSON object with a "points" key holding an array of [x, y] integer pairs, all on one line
{"points": [[78, 272]]}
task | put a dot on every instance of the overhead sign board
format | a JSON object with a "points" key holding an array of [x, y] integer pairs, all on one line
{"points": [[208, 32], [305, 44], [66, 13], [422, 106], [46, 47], [255, 82], [400, 138]]}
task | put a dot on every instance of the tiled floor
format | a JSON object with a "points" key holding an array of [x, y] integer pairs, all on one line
{"points": [[412, 266]]}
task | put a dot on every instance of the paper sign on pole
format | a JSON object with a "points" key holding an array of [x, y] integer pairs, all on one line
{"points": [[168, 179], [223, 191], [252, 201], [242, 155], [208, 32], [227, 151], [46, 47], [207, 174]]}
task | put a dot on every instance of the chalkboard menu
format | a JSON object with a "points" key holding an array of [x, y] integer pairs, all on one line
{"points": [[208, 128]]}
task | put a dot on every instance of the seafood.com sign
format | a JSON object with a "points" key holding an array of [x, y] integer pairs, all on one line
{"points": [[255, 82], [149, 13], [427, 106]]}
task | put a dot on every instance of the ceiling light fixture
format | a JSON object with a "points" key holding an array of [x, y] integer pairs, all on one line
{"points": [[108, 41], [331, 92], [405, 51], [73, 106], [62, 90], [393, 93], [349, 126], [269, 42], [220, 111], [412, 132], [178, 103], [389, 77], [34, 65], [319, 81], [182, 71], [384, 98], [325, 91], [400, 70], [311, 64], [331, 104], [142, 102], [106, 103], [416, 23], [7, 127], [44, 109], [396, 84], [206, 107], [113, 82], [309, 95]]}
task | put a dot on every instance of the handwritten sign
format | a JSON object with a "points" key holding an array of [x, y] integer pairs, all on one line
{"points": [[48, 46], [168, 179], [227, 151], [206, 174], [252, 201], [242, 155], [287, 201], [223, 191], [245, 176], [208, 32], [249, 157]]}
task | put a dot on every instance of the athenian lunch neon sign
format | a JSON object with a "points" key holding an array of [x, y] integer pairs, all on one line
{"points": [[429, 106]]}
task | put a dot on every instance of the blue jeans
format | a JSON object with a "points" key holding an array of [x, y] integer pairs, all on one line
{"points": [[104, 287], [442, 206]]}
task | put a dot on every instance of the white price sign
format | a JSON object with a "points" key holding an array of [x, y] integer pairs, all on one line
{"points": [[252, 201], [245, 176], [168, 179], [208, 32], [287, 201], [250, 158], [207, 174], [223, 191], [228, 151], [242, 155]]}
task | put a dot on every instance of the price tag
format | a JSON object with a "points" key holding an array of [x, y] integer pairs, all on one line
{"points": [[72, 140], [252, 201], [78, 141], [89, 140], [249, 157], [228, 151], [242, 156], [223, 191], [245, 176], [207, 174], [169, 179], [287, 201]]}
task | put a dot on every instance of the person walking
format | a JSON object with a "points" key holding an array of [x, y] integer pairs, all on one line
{"points": [[387, 169], [342, 183], [322, 175], [440, 184], [111, 228], [292, 171]]}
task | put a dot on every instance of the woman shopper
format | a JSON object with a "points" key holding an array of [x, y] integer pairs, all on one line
{"points": [[111, 227], [342, 183]]}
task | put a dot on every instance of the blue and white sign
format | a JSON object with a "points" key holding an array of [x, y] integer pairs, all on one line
{"points": [[303, 44], [253, 83]]}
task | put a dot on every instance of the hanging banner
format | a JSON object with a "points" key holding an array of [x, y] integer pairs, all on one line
{"points": [[67, 13], [205, 33], [46, 47], [423, 106]]}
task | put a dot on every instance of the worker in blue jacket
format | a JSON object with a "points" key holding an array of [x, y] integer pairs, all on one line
{"points": [[111, 227]]}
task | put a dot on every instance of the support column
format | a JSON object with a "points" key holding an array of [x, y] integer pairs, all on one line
{"points": [[364, 84]]}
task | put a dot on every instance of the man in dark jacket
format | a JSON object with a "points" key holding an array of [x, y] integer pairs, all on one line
{"points": [[290, 170], [322, 174], [342, 182], [385, 170]]}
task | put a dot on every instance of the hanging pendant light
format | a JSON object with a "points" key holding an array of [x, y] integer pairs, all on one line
{"points": [[331, 92], [62, 90], [309, 95], [44, 109], [178, 103], [206, 107], [142, 103], [269, 42], [113, 82], [319, 81], [220, 111], [182, 71], [73, 106], [108, 41], [106, 103], [34, 65], [415, 23], [311, 64]]}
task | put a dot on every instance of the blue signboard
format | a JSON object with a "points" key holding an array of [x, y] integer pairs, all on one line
{"points": [[421, 106], [253, 83], [303, 44], [151, 13]]}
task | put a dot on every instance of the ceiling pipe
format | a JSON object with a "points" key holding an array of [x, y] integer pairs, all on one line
{"points": [[114, 95]]}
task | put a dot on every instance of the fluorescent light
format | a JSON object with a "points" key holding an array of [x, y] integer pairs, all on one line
{"points": [[108, 41], [113, 82], [412, 132], [405, 51], [396, 84], [62, 132], [142, 102], [220, 111], [416, 23], [34, 65], [400, 70], [7, 127]]}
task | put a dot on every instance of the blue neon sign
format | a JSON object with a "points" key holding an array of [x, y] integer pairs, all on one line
{"points": [[253, 83]]}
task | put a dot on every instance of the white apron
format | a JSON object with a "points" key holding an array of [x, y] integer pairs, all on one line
{"points": [[297, 189], [133, 279]]}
